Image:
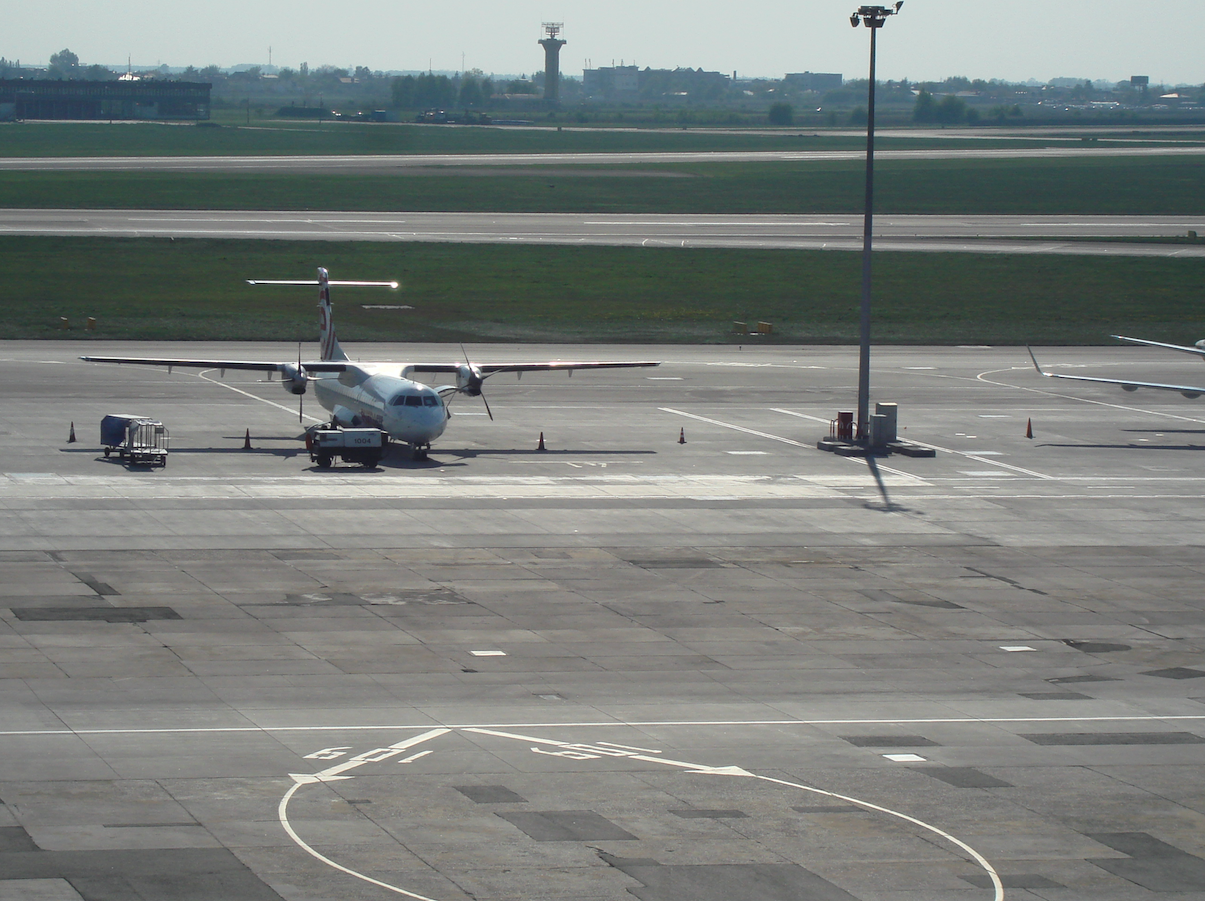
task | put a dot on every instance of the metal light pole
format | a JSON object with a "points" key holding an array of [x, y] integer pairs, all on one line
{"points": [[873, 18]]}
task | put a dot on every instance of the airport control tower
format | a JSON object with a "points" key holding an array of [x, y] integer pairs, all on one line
{"points": [[552, 60]]}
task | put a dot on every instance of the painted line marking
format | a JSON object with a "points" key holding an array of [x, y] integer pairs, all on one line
{"points": [[612, 744], [488, 653], [1085, 400], [577, 751], [608, 724], [972, 455], [703, 769], [1012, 648], [282, 810], [790, 441], [997, 885], [738, 428], [905, 758], [895, 472], [978, 458], [262, 400]]}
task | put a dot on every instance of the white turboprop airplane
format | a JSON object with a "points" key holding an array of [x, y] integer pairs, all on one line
{"points": [[379, 395], [1188, 391]]}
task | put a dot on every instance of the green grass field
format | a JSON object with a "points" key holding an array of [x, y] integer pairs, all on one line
{"points": [[271, 136], [155, 289], [159, 289], [1156, 185]]}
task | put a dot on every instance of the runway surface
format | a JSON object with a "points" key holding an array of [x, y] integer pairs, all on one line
{"points": [[399, 163], [623, 667], [975, 234]]}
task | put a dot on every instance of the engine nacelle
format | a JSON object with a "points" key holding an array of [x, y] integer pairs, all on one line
{"points": [[294, 378], [469, 379]]}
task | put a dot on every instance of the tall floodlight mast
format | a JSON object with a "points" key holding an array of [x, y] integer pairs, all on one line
{"points": [[552, 45], [873, 18]]}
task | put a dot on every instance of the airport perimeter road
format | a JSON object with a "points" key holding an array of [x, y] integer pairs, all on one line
{"points": [[976, 234], [399, 163], [621, 667]]}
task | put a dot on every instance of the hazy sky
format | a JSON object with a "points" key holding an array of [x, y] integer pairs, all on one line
{"points": [[930, 39]]}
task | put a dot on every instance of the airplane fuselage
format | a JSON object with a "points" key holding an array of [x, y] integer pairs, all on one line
{"points": [[380, 396]]}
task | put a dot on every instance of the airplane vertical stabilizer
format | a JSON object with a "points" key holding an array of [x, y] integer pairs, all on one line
{"points": [[328, 343]]}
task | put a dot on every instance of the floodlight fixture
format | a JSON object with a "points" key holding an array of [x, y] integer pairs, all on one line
{"points": [[874, 16]]}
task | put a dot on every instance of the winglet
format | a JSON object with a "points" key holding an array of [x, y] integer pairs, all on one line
{"points": [[1035, 362]]}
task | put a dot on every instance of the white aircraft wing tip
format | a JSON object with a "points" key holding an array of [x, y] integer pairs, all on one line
{"points": [[1035, 362]]}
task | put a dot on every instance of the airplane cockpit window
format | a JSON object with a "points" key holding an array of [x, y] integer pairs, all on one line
{"points": [[415, 400]]}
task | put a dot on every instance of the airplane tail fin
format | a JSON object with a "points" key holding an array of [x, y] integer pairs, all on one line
{"points": [[328, 344]]}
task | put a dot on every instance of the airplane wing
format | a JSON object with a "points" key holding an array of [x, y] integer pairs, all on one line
{"points": [[256, 366], [1199, 351], [552, 366], [1189, 391]]}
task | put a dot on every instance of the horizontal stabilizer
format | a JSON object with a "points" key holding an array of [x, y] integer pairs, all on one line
{"points": [[333, 282]]}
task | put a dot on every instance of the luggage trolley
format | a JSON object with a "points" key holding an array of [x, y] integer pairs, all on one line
{"points": [[135, 439]]}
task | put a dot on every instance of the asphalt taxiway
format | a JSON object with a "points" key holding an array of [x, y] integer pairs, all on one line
{"points": [[1122, 235], [380, 164], [624, 666]]}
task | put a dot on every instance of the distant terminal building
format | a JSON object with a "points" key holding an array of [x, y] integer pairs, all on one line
{"points": [[612, 82], [147, 99], [628, 83], [814, 81]]}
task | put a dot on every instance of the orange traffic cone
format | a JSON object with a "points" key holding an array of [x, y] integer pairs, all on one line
{"points": [[247, 440], [540, 446], [71, 437], [1029, 428], [682, 436]]}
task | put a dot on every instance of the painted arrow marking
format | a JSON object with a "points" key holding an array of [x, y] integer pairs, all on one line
{"points": [[578, 751], [335, 774], [581, 751], [311, 778]]}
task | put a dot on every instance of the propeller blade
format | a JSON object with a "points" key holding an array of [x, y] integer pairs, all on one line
{"points": [[487, 406]]}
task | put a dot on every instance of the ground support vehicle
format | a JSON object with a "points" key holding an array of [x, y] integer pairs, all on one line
{"points": [[135, 439], [363, 446]]}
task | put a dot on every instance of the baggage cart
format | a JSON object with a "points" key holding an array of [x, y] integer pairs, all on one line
{"points": [[135, 439]]}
